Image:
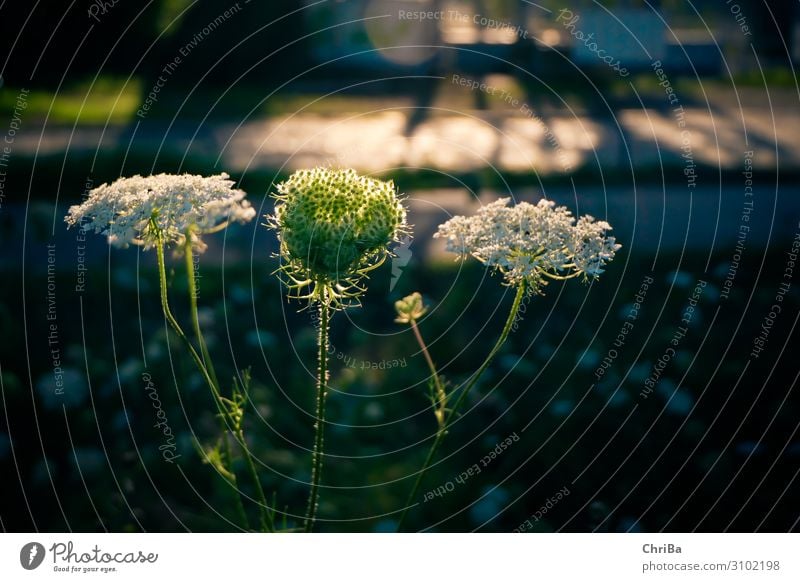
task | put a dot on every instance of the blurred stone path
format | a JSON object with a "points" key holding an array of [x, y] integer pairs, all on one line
{"points": [[450, 141]]}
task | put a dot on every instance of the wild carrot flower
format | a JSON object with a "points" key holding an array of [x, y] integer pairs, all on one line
{"points": [[172, 210], [528, 243], [138, 210], [334, 227]]}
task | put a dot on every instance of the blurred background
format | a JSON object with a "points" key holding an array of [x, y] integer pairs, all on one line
{"points": [[675, 121]]}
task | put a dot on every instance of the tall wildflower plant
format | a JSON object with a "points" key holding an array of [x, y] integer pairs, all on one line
{"points": [[177, 211], [334, 227], [529, 245]]}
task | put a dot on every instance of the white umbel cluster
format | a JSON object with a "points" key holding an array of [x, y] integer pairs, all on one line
{"points": [[528, 242], [138, 210]]}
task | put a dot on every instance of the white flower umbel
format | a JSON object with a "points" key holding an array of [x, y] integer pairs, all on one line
{"points": [[169, 210], [140, 210], [529, 243]]}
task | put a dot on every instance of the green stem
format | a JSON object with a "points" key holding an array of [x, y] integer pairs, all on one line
{"points": [[521, 291], [235, 484], [190, 280], [267, 522], [319, 427], [162, 272], [176, 326], [209, 366], [440, 402]]}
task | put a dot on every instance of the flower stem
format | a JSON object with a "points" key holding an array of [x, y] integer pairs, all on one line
{"points": [[319, 427], [176, 326], [192, 286], [224, 413], [440, 400], [512, 315], [265, 513], [227, 455]]}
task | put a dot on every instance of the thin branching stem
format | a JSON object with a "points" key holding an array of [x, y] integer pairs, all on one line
{"points": [[265, 512], [177, 328], [512, 316], [198, 360], [441, 395], [192, 286], [227, 454]]}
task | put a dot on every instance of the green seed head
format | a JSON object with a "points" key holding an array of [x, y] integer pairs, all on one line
{"points": [[334, 226]]}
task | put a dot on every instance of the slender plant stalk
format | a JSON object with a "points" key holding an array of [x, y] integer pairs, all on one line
{"points": [[319, 427], [227, 455], [176, 326], [440, 400], [235, 484], [512, 315], [190, 280], [265, 513], [218, 400]]}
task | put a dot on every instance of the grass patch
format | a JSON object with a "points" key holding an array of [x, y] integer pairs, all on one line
{"points": [[107, 100]]}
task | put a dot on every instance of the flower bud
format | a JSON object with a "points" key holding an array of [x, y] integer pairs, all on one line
{"points": [[334, 226], [410, 308]]}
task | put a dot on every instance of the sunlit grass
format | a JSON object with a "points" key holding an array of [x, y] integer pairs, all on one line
{"points": [[107, 100]]}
